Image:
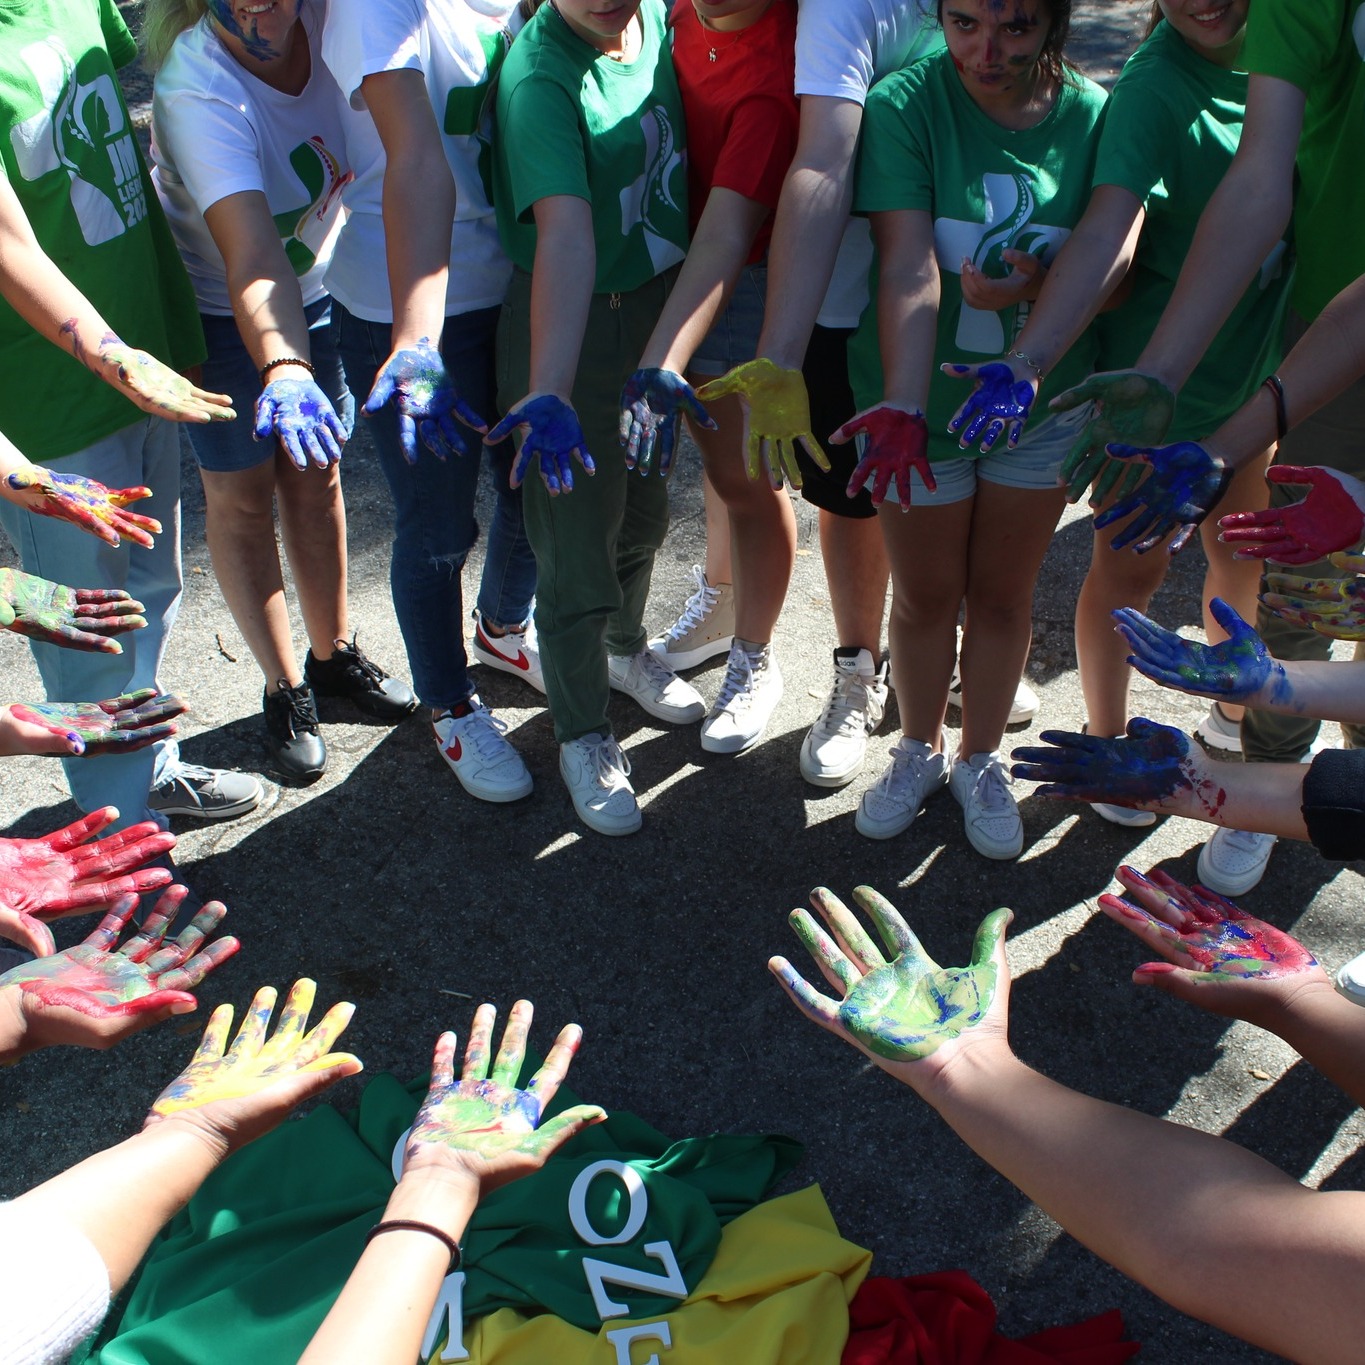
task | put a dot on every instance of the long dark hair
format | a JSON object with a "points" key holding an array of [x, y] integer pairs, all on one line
{"points": [[1153, 19], [1051, 59]]}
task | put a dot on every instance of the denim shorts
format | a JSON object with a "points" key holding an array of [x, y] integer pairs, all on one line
{"points": [[226, 447], [1034, 463], [733, 338]]}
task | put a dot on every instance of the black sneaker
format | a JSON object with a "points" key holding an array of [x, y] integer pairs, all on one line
{"points": [[348, 673], [291, 731]]}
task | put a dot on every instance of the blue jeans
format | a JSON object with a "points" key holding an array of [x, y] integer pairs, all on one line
{"points": [[147, 452], [433, 504]]}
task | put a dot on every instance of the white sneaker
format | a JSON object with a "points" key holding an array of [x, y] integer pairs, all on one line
{"points": [[655, 686], [1023, 707], [705, 628], [981, 784], [478, 753], [514, 651], [833, 752], [1123, 815], [597, 775], [1234, 861], [748, 697], [889, 807], [1218, 732], [1350, 979]]}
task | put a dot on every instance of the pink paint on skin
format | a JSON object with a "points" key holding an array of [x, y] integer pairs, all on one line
{"points": [[1330, 518]]}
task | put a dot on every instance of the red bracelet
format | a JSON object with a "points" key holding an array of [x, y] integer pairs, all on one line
{"points": [[285, 360], [1272, 382]]}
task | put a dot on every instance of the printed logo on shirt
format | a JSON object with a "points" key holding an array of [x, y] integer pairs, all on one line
{"points": [[465, 104], [1009, 202], [649, 200], [83, 131], [1358, 31], [305, 228]]}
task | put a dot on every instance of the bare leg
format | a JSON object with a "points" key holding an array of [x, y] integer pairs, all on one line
{"points": [[718, 528], [857, 572], [313, 528], [240, 528], [1011, 529]]}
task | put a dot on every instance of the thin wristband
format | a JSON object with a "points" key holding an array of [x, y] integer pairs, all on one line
{"points": [[1036, 368], [412, 1225], [1272, 382], [285, 360]]}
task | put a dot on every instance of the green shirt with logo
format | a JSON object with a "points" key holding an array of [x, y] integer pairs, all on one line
{"points": [[69, 153], [928, 145], [573, 121]]}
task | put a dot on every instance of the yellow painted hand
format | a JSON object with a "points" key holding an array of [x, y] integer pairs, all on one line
{"points": [[776, 418]]}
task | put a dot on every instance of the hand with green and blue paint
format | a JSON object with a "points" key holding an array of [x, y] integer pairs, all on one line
{"points": [[899, 1007], [1184, 484], [414, 378], [75, 729], [653, 402], [300, 416]]}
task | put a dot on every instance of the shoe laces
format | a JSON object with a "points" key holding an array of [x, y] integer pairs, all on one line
{"points": [[699, 606], [303, 712], [350, 658], [846, 705], [608, 761], [656, 673], [991, 790], [900, 773], [483, 730], [741, 673], [191, 773], [1247, 841]]}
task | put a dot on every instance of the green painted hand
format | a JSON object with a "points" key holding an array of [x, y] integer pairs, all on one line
{"points": [[482, 1125], [92, 728], [154, 387], [1131, 408], [899, 1011], [76, 618]]}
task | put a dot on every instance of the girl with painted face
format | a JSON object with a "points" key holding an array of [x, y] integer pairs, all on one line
{"points": [[590, 186], [1170, 131], [975, 162], [249, 153]]}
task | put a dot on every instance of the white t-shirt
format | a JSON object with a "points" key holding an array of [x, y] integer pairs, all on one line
{"points": [[843, 47], [458, 46], [218, 130]]}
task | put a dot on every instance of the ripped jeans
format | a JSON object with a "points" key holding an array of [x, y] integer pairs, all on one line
{"points": [[433, 503]]}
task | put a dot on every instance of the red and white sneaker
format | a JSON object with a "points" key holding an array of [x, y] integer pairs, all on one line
{"points": [[476, 748], [516, 651]]}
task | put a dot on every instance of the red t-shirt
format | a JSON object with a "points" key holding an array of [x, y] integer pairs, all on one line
{"points": [[739, 102]]}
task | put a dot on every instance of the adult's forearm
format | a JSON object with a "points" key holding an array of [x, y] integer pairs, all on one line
{"points": [[418, 247], [561, 295], [1264, 797]]}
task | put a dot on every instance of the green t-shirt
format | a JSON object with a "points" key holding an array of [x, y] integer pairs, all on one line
{"points": [[927, 145], [1170, 131], [1319, 46], [570, 120], [67, 148]]}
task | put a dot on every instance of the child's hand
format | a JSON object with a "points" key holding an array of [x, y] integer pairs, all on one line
{"points": [[988, 294], [300, 416], [83, 502], [652, 404], [415, 379], [897, 442], [1330, 518], [553, 437], [1184, 484], [1000, 402]]}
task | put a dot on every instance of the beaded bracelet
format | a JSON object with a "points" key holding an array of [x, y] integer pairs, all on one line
{"points": [[412, 1225], [285, 360], [1272, 382]]}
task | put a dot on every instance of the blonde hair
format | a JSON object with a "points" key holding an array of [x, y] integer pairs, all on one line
{"points": [[163, 21]]}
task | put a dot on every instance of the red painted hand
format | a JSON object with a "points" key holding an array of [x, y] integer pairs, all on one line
{"points": [[1330, 518]]}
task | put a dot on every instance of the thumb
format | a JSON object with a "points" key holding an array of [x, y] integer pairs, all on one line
{"points": [[853, 427], [505, 427], [1123, 452], [550, 1137], [1227, 617], [1294, 475], [988, 944], [720, 388], [379, 394], [695, 407], [265, 418], [28, 932], [1073, 398]]}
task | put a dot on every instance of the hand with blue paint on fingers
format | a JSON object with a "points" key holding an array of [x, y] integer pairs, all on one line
{"points": [[904, 1011], [300, 416], [1184, 484], [1214, 954], [1238, 669], [414, 378], [1000, 403], [554, 439], [1330, 519], [85, 503], [897, 443], [1131, 408], [653, 402], [1334, 607]]}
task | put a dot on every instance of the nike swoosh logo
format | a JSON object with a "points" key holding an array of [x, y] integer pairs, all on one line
{"points": [[455, 752], [521, 661]]}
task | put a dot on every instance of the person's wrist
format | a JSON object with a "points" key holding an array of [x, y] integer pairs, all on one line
{"points": [[961, 1070], [186, 1137], [15, 1036], [443, 1195]]}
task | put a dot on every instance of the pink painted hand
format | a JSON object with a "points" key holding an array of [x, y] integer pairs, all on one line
{"points": [[897, 442], [1215, 954], [1334, 607], [1331, 517], [62, 874], [482, 1126], [74, 729], [100, 991], [234, 1094], [76, 618], [83, 502]]}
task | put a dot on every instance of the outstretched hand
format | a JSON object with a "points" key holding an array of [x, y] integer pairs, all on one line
{"points": [[897, 444], [1334, 607], [1330, 518], [415, 379], [554, 439], [653, 402], [62, 874], [234, 1094], [297, 414], [1215, 954], [1131, 409], [76, 618], [1184, 484], [73, 729], [99, 992], [998, 403], [481, 1125], [150, 385], [776, 418], [1238, 669], [85, 503], [905, 1010]]}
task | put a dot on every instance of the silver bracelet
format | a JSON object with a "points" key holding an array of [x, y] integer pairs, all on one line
{"points": [[1037, 369]]}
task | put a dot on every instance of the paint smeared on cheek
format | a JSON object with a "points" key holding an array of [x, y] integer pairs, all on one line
{"points": [[956, 61]]}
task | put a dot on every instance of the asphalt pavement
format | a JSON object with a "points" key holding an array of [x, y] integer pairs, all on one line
{"points": [[394, 889]]}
